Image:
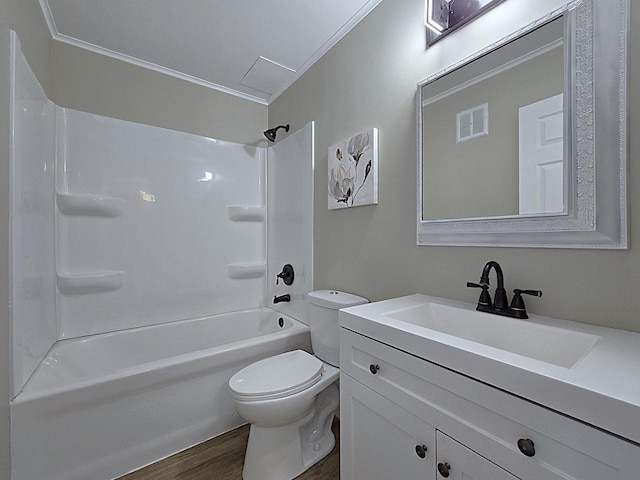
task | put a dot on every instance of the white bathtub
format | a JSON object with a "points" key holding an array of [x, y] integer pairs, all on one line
{"points": [[101, 406]]}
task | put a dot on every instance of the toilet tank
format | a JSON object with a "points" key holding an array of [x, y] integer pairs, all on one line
{"points": [[323, 322]]}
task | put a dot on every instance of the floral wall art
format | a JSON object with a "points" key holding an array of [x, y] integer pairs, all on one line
{"points": [[353, 171]]}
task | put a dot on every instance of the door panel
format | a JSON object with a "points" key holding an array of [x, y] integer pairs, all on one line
{"points": [[379, 438], [541, 156], [457, 462]]}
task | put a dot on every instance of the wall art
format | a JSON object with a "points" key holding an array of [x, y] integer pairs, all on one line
{"points": [[353, 171]]}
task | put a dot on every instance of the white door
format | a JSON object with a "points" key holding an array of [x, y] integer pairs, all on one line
{"points": [[380, 440], [541, 156], [457, 462]]}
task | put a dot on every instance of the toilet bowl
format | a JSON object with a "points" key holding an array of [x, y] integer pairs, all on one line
{"points": [[290, 399]]}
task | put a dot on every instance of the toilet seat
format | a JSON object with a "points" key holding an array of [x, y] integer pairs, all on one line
{"points": [[276, 377]]}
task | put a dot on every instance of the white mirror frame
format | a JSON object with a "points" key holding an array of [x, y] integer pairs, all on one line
{"points": [[597, 200]]}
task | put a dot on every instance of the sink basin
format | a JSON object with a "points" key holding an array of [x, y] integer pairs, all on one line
{"points": [[558, 346]]}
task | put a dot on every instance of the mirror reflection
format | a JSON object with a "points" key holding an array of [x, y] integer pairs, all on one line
{"points": [[493, 133]]}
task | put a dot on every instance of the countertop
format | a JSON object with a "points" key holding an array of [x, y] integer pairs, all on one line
{"points": [[601, 389]]}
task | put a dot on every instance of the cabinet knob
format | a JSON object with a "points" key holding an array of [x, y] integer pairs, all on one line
{"points": [[443, 469], [421, 450], [374, 368], [527, 447]]}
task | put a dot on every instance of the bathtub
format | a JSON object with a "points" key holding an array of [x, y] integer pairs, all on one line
{"points": [[99, 407]]}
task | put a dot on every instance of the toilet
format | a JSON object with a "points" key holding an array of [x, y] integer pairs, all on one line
{"points": [[290, 399]]}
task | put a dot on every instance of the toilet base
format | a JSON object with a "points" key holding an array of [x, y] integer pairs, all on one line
{"points": [[283, 453]]}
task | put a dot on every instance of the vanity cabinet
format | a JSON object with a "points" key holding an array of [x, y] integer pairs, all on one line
{"points": [[380, 430], [392, 401]]}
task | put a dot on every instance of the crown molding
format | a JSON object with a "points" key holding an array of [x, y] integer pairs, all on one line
{"points": [[46, 10], [157, 68]]}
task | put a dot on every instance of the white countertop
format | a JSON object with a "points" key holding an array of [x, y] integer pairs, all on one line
{"points": [[601, 389]]}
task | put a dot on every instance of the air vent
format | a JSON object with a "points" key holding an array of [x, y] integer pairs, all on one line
{"points": [[472, 123], [267, 76]]}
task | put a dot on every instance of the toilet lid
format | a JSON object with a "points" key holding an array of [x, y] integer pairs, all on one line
{"points": [[273, 377]]}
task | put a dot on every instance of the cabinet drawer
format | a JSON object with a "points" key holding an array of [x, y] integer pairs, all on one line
{"points": [[487, 420]]}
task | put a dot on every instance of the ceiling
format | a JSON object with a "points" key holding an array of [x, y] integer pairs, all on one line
{"points": [[251, 48]]}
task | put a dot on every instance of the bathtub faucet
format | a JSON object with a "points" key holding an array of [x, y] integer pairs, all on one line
{"points": [[282, 298]]}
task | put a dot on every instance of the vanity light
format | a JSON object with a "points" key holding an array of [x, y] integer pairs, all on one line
{"points": [[444, 16], [436, 15]]}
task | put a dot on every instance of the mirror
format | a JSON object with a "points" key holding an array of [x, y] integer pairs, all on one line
{"points": [[479, 135], [512, 140]]}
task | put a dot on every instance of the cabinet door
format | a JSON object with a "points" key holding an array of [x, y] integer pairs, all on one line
{"points": [[380, 440], [457, 462]]}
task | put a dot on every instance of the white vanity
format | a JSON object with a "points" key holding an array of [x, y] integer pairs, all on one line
{"points": [[432, 389]]}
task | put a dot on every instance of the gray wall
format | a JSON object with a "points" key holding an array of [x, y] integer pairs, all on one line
{"points": [[94, 83], [369, 80], [26, 19]]}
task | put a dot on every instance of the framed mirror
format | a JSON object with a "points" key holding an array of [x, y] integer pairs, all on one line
{"points": [[524, 143]]}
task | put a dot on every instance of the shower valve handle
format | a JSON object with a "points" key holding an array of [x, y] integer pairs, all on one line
{"points": [[286, 275]]}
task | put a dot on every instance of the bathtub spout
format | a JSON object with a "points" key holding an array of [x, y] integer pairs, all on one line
{"points": [[282, 298]]}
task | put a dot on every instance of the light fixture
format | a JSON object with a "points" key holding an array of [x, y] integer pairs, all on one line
{"points": [[436, 15], [444, 16]]}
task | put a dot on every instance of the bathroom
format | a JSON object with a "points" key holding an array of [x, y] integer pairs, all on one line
{"points": [[368, 79]]}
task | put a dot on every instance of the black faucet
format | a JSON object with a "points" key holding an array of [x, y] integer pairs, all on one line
{"points": [[282, 298], [500, 306], [500, 299]]}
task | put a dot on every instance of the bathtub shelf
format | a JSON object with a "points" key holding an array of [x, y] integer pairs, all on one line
{"points": [[93, 282], [243, 271], [89, 205], [246, 213]]}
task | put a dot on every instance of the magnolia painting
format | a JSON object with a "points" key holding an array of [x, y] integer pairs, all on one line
{"points": [[353, 171]]}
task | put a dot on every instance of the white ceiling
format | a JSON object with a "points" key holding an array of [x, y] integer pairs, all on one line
{"points": [[251, 48]]}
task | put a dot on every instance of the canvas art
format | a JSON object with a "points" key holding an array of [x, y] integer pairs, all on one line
{"points": [[353, 171]]}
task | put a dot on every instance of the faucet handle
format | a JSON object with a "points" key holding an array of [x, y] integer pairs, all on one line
{"points": [[535, 293], [287, 275], [517, 304], [485, 298]]}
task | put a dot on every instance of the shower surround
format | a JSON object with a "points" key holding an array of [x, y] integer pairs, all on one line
{"points": [[128, 228]]}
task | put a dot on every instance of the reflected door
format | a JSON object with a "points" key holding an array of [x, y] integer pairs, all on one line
{"points": [[541, 156]]}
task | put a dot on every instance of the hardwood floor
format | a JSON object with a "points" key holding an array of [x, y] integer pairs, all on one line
{"points": [[223, 457]]}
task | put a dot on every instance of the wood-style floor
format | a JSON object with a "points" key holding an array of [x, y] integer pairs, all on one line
{"points": [[222, 458]]}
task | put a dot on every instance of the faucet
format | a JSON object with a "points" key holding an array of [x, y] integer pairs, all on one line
{"points": [[282, 298], [500, 298], [499, 305]]}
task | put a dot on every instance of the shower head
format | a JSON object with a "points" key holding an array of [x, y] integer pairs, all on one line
{"points": [[271, 133]]}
